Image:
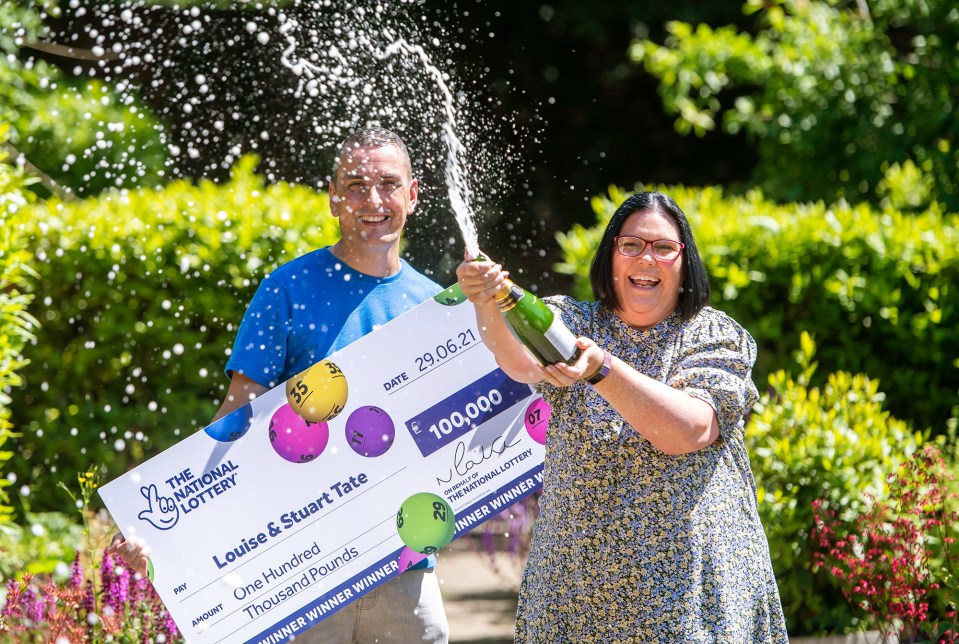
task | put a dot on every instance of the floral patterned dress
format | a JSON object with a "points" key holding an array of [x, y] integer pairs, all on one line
{"points": [[635, 545]]}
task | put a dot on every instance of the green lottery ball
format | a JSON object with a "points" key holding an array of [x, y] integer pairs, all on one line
{"points": [[451, 296], [425, 522]]}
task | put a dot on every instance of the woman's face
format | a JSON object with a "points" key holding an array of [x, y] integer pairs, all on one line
{"points": [[647, 287]]}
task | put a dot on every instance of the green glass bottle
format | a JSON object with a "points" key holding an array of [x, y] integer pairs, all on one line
{"points": [[535, 325]]}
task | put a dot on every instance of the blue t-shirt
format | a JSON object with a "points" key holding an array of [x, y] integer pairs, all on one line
{"points": [[314, 305]]}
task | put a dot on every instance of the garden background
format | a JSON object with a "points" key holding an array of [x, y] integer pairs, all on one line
{"points": [[159, 157]]}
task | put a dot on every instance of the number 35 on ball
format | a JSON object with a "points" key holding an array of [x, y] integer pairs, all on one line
{"points": [[319, 393]]}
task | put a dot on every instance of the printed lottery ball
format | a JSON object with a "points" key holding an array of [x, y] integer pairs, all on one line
{"points": [[537, 420], [319, 393], [232, 426], [425, 522], [409, 558], [451, 296], [295, 439], [370, 431]]}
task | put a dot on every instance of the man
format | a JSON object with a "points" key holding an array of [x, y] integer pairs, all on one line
{"points": [[318, 303]]}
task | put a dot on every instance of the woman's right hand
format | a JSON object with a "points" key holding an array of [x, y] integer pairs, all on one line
{"points": [[132, 551], [480, 279]]}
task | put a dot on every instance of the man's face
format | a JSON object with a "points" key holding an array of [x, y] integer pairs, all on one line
{"points": [[372, 194]]}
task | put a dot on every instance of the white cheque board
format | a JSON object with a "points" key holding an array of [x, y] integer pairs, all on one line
{"points": [[255, 540]]}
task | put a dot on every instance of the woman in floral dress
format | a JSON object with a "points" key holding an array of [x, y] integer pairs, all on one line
{"points": [[648, 530]]}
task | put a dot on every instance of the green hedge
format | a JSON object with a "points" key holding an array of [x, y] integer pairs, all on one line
{"points": [[16, 325], [835, 443], [138, 298], [83, 134], [877, 289]]}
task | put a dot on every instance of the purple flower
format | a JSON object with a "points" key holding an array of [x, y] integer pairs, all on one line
{"points": [[123, 586], [76, 572], [32, 605], [169, 625], [118, 592], [13, 592], [89, 599], [143, 590], [106, 570], [52, 610]]}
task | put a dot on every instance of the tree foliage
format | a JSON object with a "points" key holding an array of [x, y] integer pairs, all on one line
{"points": [[843, 99], [16, 324], [80, 134]]}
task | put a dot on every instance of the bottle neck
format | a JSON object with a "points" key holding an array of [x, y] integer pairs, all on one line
{"points": [[508, 295]]}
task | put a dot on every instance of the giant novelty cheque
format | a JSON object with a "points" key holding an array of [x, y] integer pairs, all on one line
{"points": [[323, 488]]}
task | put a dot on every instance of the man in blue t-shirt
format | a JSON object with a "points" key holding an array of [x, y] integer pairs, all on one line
{"points": [[320, 302]]}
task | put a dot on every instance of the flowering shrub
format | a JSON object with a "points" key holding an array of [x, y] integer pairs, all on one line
{"points": [[510, 530], [124, 609], [896, 561], [120, 606]]}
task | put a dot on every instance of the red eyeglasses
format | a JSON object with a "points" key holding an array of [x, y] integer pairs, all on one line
{"points": [[664, 249]]}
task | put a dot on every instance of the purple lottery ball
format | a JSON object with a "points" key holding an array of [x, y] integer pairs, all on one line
{"points": [[537, 420], [370, 431], [295, 439]]}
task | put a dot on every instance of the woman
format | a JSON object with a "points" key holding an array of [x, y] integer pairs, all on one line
{"points": [[648, 530]]}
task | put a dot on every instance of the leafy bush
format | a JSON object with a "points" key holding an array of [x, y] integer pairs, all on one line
{"points": [[44, 544], [876, 288], [138, 297], [16, 325], [83, 134], [808, 443], [838, 96]]}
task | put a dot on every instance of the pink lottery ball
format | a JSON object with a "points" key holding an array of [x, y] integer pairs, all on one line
{"points": [[537, 420], [295, 439], [370, 431], [409, 558]]}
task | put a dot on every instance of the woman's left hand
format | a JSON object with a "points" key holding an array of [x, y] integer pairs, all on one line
{"points": [[588, 364]]}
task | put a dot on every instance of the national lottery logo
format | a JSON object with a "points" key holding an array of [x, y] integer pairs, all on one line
{"points": [[185, 492], [161, 511]]}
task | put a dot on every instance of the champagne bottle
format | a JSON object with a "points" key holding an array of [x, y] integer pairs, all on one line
{"points": [[535, 325]]}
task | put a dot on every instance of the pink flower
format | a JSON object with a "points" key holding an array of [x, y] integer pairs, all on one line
{"points": [[891, 560]]}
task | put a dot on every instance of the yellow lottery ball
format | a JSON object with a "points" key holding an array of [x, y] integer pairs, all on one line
{"points": [[319, 393]]}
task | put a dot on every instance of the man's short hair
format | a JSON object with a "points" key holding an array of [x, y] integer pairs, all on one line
{"points": [[371, 137]]}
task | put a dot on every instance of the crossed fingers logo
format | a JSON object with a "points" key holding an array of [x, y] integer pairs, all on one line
{"points": [[162, 512]]}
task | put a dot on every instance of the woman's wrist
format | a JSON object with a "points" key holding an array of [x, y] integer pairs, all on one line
{"points": [[603, 370]]}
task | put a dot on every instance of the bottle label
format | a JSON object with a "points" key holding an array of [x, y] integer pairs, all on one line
{"points": [[561, 338]]}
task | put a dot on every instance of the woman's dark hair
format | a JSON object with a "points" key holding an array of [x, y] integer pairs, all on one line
{"points": [[695, 294]]}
